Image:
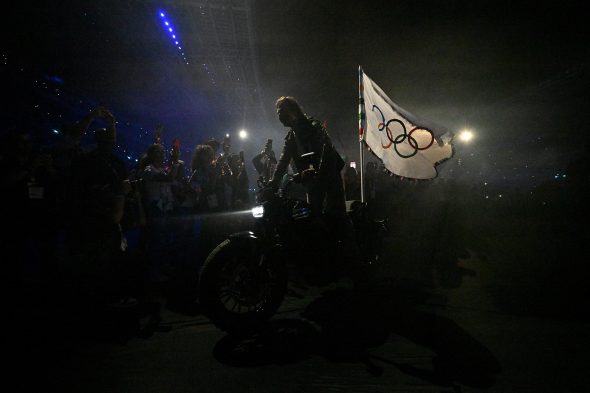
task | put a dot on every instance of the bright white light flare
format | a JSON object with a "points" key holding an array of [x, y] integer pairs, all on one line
{"points": [[258, 211], [466, 136]]}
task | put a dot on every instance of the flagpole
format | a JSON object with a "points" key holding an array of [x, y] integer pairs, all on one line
{"points": [[361, 133]]}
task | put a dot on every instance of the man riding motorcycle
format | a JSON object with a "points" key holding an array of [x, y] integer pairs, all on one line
{"points": [[320, 175]]}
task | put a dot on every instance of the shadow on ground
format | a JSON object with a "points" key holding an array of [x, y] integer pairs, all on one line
{"points": [[343, 325]]}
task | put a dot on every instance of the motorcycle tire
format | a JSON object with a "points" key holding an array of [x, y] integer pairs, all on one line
{"points": [[241, 286]]}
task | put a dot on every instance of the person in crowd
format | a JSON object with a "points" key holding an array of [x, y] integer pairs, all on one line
{"points": [[265, 162], [225, 175], [156, 182], [99, 185], [203, 178], [176, 168], [182, 223], [239, 183], [158, 203], [215, 145], [63, 153], [219, 202]]}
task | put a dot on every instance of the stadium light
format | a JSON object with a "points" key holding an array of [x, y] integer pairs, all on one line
{"points": [[466, 136]]}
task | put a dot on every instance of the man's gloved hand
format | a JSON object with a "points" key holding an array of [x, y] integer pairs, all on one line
{"points": [[266, 193], [304, 176], [308, 175]]}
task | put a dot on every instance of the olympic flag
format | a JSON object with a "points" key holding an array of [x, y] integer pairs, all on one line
{"points": [[407, 146]]}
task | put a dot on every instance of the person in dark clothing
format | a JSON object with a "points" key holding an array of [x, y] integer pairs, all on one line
{"points": [[265, 162], [320, 174], [177, 172], [100, 177], [239, 182], [225, 176], [64, 152], [203, 178], [100, 183]]}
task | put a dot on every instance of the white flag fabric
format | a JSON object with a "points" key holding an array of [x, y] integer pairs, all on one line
{"points": [[407, 146]]}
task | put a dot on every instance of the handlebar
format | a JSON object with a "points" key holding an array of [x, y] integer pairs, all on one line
{"points": [[266, 191]]}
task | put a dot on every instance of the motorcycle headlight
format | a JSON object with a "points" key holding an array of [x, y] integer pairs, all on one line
{"points": [[258, 211]]}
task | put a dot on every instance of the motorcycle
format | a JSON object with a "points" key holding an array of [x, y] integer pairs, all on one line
{"points": [[244, 280]]}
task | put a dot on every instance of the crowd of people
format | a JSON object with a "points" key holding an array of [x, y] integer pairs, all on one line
{"points": [[85, 220]]}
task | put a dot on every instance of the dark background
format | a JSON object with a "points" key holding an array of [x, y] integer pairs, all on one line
{"points": [[513, 72]]}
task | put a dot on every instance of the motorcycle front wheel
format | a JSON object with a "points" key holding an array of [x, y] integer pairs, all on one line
{"points": [[241, 285]]}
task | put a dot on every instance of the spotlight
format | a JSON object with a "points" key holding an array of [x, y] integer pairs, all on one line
{"points": [[466, 136]]}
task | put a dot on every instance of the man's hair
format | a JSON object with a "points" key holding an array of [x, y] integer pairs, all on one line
{"points": [[152, 153], [213, 143], [201, 152], [148, 157], [290, 102]]}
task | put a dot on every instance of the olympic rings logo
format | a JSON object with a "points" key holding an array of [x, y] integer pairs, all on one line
{"points": [[401, 137]]}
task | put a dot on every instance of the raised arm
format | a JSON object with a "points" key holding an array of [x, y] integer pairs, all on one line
{"points": [[79, 128]]}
